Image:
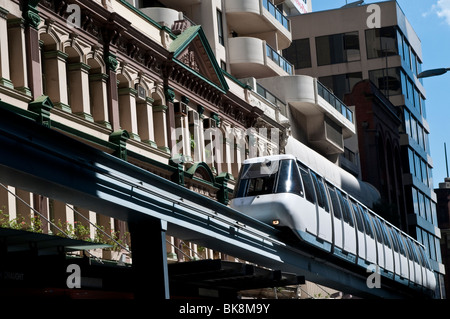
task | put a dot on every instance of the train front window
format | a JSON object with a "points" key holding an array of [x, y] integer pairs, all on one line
{"points": [[269, 177], [259, 178]]}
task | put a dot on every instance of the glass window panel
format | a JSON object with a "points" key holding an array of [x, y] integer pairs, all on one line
{"points": [[323, 50], [351, 47], [421, 205], [415, 201], [388, 41], [367, 224], [407, 122], [404, 83], [414, 129], [428, 209], [289, 178], [335, 203], [401, 49], [418, 166], [424, 173], [434, 213], [308, 185], [412, 169], [299, 53], [388, 81]]}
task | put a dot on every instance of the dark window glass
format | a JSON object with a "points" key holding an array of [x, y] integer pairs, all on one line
{"points": [[322, 199], [381, 42], [367, 223], [341, 84], [261, 185], [220, 27], [394, 240], [299, 53], [387, 80], [377, 229], [335, 203], [338, 48], [308, 184], [384, 233], [346, 213], [358, 217], [257, 179]]}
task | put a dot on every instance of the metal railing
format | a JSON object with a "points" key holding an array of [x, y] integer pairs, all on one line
{"points": [[272, 99], [274, 11], [279, 60], [334, 101]]}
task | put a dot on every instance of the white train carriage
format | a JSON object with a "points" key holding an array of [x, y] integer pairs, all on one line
{"points": [[282, 191]]}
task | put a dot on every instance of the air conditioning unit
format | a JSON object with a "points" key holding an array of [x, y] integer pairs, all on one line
{"points": [[209, 123], [141, 92], [181, 108]]}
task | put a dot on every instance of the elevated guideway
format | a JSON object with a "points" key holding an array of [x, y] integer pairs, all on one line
{"points": [[44, 161]]}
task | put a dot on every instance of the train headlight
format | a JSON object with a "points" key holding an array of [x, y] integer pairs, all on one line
{"points": [[275, 222]]}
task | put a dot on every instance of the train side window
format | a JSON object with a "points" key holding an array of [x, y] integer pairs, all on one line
{"points": [[308, 184], [335, 203], [400, 244], [408, 248], [394, 240], [425, 258], [322, 199], [367, 224], [412, 250], [358, 217], [346, 213], [377, 229], [289, 178], [387, 242]]}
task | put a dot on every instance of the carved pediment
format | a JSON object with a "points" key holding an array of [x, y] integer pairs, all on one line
{"points": [[189, 59], [191, 50]]}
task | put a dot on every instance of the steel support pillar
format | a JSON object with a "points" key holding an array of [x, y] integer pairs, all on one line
{"points": [[149, 254]]}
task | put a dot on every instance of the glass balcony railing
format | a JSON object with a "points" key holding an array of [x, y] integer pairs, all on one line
{"points": [[269, 6], [279, 60], [334, 101], [271, 98]]}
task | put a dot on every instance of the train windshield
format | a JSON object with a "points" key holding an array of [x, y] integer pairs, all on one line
{"points": [[269, 177]]}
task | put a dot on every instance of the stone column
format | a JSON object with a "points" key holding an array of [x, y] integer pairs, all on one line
{"points": [[17, 56], [145, 121], [56, 78], [5, 78], [78, 82], [160, 127], [128, 112], [98, 86]]}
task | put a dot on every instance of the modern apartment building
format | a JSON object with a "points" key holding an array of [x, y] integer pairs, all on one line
{"points": [[344, 46]]}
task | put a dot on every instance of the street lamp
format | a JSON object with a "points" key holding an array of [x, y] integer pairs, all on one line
{"points": [[434, 72]]}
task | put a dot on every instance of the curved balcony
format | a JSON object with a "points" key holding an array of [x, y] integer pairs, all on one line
{"points": [[252, 57], [328, 120], [163, 16], [253, 17]]}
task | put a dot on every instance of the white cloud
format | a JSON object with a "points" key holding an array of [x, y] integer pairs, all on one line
{"points": [[442, 9]]}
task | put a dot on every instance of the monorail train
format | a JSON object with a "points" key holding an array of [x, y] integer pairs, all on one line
{"points": [[282, 191]]}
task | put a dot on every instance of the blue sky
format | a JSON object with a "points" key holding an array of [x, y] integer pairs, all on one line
{"points": [[431, 21]]}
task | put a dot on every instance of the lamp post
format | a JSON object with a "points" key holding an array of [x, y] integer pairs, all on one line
{"points": [[433, 72]]}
